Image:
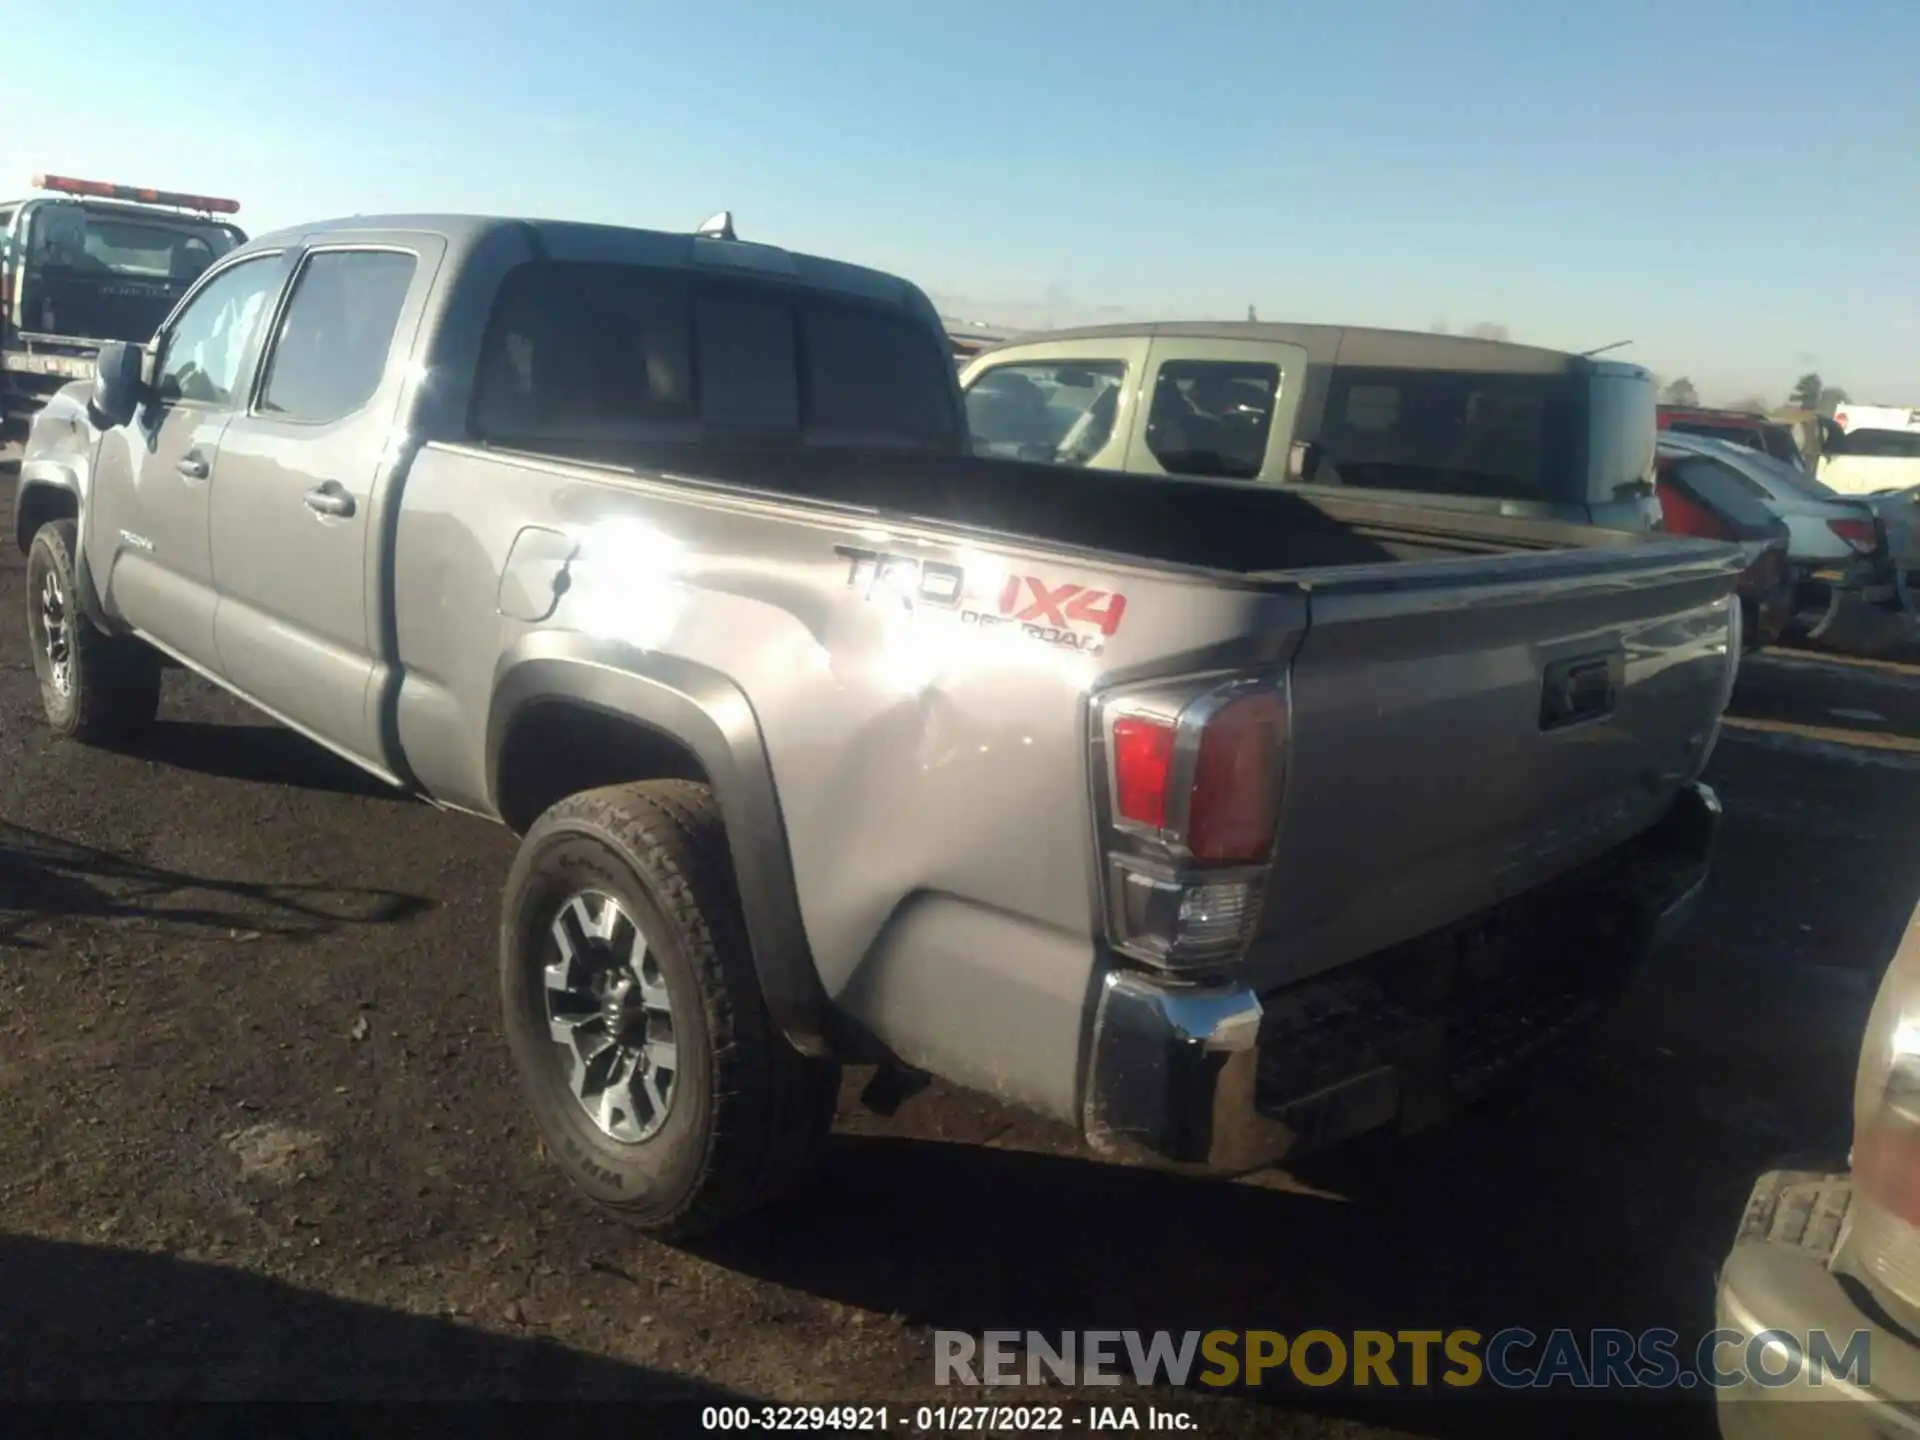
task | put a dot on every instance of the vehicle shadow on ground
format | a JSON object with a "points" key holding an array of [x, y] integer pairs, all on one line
{"points": [[83, 1322], [1601, 1191], [259, 754], [43, 877]]}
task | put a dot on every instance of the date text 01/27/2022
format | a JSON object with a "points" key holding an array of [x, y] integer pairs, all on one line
{"points": [[943, 1419]]}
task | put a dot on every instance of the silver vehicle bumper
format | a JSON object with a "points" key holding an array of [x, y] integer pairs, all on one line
{"points": [[1781, 1281], [1222, 1079]]}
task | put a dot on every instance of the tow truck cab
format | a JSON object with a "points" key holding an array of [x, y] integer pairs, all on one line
{"points": [[88, 262]]}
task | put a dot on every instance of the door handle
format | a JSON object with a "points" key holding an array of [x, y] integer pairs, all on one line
{"points": [[330, 499], [193, 467]]}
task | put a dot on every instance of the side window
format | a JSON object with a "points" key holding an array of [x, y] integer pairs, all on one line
{"points": [[1059, 412], [332, 347], [1211, 417], [202, 355]]}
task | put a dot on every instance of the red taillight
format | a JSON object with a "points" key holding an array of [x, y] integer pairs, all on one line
{"points": [[1142, 767], [1194, 798], [1860, 534], [1233, 805]]}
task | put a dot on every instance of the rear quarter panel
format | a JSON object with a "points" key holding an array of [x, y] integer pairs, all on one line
{"points": [[930, 760]]}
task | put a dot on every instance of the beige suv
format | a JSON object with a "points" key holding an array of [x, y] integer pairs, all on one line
{"points": [[1462, 423]]}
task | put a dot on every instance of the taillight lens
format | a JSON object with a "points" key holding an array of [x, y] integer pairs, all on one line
{"points": [[1234, 803], [1860, 534], [1142, 767], [1193, 808]]}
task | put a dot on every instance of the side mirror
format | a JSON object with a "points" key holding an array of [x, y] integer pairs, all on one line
{"points": [[118, 386]]}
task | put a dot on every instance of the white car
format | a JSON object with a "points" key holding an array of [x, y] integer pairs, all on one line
{"points": [[1872, 462]]}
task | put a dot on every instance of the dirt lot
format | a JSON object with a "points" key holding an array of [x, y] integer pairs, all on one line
{"points": [[259, 1137]]}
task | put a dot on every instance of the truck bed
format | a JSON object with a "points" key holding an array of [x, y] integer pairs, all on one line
{"points": [[1216, 525]]}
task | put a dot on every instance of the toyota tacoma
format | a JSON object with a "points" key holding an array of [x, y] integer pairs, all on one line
{"points": [[1216, 819]]}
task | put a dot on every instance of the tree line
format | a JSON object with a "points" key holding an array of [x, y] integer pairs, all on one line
{"points": [[1809, 392]]}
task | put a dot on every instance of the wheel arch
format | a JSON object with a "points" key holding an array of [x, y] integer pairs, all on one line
{"points": [[673, 720]]}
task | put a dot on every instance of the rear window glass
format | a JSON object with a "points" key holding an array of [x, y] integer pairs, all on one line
{"points": [[1449, 433], [70, 237], [596, 351], [1724, 489], [1883, 444]]}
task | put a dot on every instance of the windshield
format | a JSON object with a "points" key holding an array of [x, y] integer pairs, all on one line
{"points": [[72, 239], [1745, 436]]}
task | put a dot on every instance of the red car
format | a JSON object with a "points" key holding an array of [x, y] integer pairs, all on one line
{"points": [[1738, 427], [1694, 501]]}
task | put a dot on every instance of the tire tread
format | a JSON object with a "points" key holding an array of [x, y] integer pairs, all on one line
{"points": [[772, 1105]]}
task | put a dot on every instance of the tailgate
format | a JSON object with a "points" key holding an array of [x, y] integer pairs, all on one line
{"points": [[1456, 744]]}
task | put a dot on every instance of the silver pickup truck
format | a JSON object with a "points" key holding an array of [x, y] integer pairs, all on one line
{"points": [[1216, 821]]}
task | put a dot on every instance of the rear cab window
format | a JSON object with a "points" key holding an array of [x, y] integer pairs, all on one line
{"points": [[578, 351]]}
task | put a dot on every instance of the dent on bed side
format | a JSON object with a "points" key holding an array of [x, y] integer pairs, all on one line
{"points": [[694, 713]]}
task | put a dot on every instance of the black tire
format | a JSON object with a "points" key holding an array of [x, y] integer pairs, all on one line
{"points": [[109, 685], [747, 1112]]}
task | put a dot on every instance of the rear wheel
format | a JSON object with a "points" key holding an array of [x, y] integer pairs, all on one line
{"points": [[644, 1046], [94, 687]]}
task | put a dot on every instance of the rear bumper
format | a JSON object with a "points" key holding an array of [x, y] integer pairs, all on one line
{"points": [[1223, 1079], [1778, 1278]]}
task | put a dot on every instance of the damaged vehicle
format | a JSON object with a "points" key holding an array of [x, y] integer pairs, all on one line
{"points": [[1848, 588], [1218, 821]]}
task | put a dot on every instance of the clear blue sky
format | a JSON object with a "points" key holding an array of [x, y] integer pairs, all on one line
{"points": [[1733, 186]]}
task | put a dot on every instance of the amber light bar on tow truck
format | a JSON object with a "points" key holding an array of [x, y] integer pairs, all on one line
{"points": [[1193, 774], [101, 190]]}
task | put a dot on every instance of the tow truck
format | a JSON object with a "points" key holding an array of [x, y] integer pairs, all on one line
{"points": [[89, 262]]}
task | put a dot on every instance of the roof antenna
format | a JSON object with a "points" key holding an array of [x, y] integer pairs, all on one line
{"points": [[718, 227], [1589, 354]]}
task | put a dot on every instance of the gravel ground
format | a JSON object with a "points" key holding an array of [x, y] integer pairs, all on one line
{"points": [[259, 1136]]}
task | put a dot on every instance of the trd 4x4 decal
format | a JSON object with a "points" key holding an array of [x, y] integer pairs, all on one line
{"points": [[1067, 614]]}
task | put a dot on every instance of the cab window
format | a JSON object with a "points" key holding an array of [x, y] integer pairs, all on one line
{"points": [[331, 353], [1056, 412], [1212, 417], [203, 353]]}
